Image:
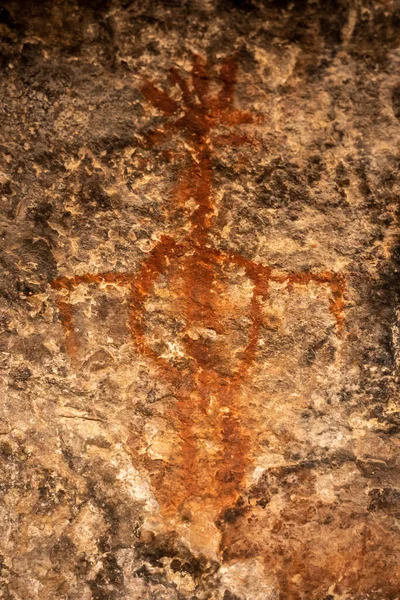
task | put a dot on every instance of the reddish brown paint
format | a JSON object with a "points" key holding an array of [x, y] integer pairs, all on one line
{"points": [[192, 473], [66, 317]]}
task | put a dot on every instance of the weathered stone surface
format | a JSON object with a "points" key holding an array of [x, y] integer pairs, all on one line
{"points": [[198, 298]]}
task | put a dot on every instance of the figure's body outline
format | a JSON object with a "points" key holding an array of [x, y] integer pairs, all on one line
{"points": [[201, 115]]}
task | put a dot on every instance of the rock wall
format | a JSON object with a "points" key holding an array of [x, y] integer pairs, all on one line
{"points": [[198, 294]]}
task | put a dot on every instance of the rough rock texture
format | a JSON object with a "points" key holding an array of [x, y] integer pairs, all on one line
{"points": [[199, 277]]}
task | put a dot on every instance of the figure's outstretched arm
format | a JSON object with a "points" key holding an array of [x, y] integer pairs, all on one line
{"points": [[140, 284], [336, 283], [261, 277], [65, 307]]}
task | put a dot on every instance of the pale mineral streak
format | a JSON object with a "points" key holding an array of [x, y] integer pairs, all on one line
{"points": [[199, 300]]}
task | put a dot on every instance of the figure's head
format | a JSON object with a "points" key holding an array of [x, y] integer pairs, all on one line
{"points": [[199, 111]]}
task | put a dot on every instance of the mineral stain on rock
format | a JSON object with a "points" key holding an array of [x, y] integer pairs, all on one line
{"points": [[199, 300]]}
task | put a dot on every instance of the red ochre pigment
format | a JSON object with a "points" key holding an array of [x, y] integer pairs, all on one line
{"points": [[213, 478]]}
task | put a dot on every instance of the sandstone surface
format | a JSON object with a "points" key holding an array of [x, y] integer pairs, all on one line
{"points": [[199, 300]]}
